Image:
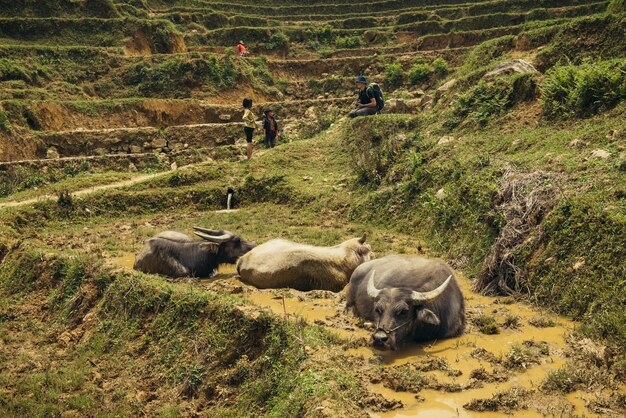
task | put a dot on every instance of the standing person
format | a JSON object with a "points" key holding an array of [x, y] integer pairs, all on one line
{"points": [[270, 128], [249, 125], [366, 104], [241, 49]]}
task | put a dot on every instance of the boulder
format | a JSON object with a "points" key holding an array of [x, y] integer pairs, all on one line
{"points": [[445, 139], [224, 117], [600, 153], [136, 149], [395, 106], [444, 88], [52, 153], [511, 67], [159, 143], [425, 101], [132, 168], [310, 113]]}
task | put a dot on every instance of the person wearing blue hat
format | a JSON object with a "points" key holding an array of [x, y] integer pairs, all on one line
{"points": [[366, 104]]}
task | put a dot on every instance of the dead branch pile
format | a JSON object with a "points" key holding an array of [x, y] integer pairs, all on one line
{"points": [[524, 199]]}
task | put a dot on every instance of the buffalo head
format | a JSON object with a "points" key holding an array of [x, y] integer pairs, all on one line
{"points": [[230, 246], [399, 312]]}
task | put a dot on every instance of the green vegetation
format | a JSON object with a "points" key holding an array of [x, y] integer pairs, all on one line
{"points": [[278, 41], [394, 75], [348, 42], [617, 6], [484, 175], [581, 91], [178, 76], [490, 99], [419, 73], [440, 67], [5, 125], [487, 324]]}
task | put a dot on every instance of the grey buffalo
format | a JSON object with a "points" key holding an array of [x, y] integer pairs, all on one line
{"points": [[280, 263], [408, 299], [174, 254]]}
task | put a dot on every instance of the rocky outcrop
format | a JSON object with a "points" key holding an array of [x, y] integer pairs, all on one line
{"points": [[509, 68]]}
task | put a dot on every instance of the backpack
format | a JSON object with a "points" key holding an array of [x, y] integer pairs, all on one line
{"points": [[378, 95]]}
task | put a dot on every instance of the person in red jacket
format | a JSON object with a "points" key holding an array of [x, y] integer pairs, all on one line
{"points": [[241, 49]]}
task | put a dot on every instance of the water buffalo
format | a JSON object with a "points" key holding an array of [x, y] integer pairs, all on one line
{"points": [[173, 254], [407, 298], [280, 263]]}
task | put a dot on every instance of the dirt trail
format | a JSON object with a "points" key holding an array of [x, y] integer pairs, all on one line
{"points": [[47, 197], [456, 382]]}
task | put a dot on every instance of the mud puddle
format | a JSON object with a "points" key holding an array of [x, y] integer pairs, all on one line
{"points": [[501, 356]]}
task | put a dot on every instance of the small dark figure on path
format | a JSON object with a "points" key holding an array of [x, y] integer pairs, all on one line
{"points": [[367, 103], [270, 128], [249, 125]]}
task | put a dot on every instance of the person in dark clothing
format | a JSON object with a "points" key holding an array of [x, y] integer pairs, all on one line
{"points": [[270, 127], [366, 104]]}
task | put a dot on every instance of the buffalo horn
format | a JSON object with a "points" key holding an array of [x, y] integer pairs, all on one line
{"points": [[220, 239], [433, 294], [363, 238], [371, 287], [208, 231]]}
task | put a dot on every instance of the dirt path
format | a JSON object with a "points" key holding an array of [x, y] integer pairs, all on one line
{"points": [[47, 197]]}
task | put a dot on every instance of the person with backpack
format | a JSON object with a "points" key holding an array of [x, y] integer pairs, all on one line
{"points": [[270, 127], [370, 99]]}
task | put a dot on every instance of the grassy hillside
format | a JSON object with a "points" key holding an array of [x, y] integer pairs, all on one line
{"points": [[516, 177]]}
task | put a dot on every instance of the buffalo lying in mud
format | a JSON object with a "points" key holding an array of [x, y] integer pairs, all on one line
{"points": [[280, 263], [407, 298], [173, 254]]}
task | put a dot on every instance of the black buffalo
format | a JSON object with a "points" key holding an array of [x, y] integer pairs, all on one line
{"points": [[408, 299], [174, 254]]}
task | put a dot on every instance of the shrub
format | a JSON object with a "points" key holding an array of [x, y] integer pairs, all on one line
{"points": [[393, 75], [279, 40], [489, 99], [5, 125], [175, 77], [440, 67], [348, 42], [419, 73], [581, 91]]}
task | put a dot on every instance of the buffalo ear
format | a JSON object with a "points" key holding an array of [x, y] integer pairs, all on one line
{"points": [[209, 246], [362, 250], [427, 316]]}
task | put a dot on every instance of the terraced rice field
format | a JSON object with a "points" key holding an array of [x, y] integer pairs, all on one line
{"points": [[122, 118]]}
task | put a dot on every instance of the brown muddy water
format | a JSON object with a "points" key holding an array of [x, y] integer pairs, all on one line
{"points": [[327, 309]]}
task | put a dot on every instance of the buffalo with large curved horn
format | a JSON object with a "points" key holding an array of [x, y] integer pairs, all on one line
{"points": [[407, 298], [174, 254]]}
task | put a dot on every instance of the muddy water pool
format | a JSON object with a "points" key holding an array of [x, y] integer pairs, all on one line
{"points": [[328, 310]]}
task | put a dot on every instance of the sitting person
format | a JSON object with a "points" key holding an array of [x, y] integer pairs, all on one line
{"points": [[270, 127], [241, 49], [366, 104]]}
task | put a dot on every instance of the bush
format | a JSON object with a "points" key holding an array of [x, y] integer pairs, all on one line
{"points": [[419, 73], [393, 75], [581, 91], [279, 40], [177, 76], [487, 100], [440, 67], [5, 125], [348, 42]]}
